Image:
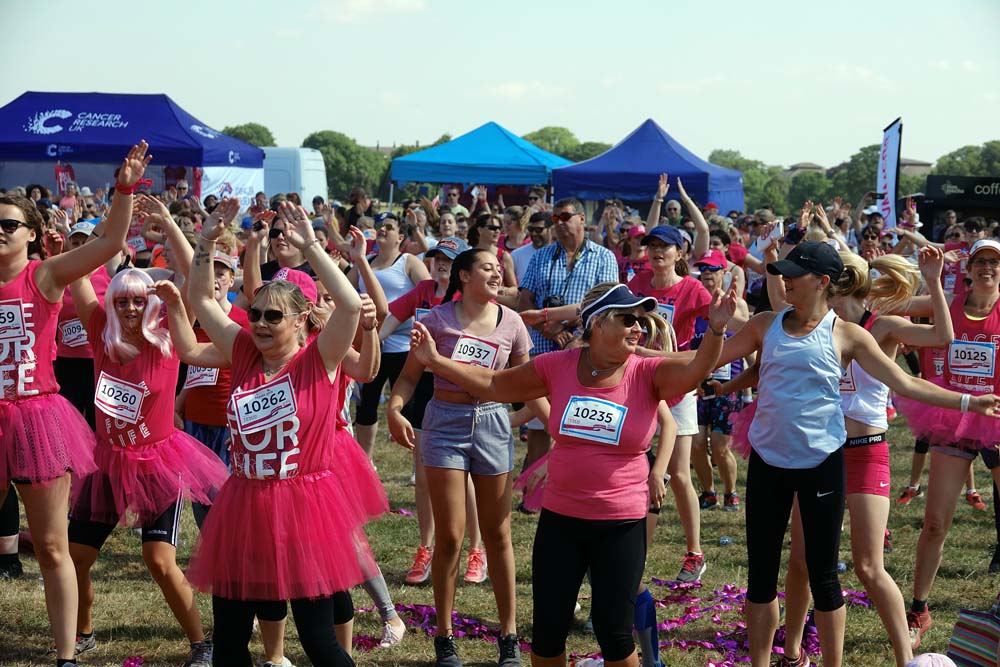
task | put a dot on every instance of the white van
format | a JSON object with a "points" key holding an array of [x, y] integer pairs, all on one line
{"points": [[295, 170]]}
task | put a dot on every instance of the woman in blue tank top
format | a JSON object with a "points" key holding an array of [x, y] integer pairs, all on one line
{"points": [[797, 437]]}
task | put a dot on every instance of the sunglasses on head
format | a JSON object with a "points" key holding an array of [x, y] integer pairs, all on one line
{"points": [[629, 320], [565, 216], [9, 225], [271, 316]]}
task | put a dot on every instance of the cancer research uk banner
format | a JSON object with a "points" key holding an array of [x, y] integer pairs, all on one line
{"points": [[888, 171], [228, 181]]}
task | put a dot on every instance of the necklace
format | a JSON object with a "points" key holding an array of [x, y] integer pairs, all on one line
{"points": [[271, 371], [594, 372]]}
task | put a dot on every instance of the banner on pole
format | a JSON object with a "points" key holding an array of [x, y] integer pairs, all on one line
{"points": [[237, 182], [888, 171]]}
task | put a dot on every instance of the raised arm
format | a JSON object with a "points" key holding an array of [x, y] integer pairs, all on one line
{"points": [[190, 351], [338, 334], [674, 377], [211, 317], [156, 210], [55, 273], [700, 241], [662, 188], [510, 385], [84, 299], [940, 333], [363, 269], [362, 364], [255, 240]]}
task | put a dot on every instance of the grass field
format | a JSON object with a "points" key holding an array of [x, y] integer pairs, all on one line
{"points": [[131, 617]]}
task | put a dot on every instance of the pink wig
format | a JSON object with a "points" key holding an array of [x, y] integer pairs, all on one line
{"points": [[133, 283]]}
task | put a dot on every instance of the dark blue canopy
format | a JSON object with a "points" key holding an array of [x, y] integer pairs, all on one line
{"points": [[100, 127], [488, 154], [630, 171]]}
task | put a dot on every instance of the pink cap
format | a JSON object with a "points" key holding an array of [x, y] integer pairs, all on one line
{"points": [[711, 206], [302, 280], [636, 230], [712, 258]]}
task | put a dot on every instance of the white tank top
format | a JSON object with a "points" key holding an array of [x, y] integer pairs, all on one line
{"points": [[862, 397], [799, 420], [395, 283]]}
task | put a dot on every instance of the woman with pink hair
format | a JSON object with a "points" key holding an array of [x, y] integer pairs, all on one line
{"points": [[146, 466]]}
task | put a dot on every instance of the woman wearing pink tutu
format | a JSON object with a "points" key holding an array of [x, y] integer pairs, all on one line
{"points": [[971, 367], [285, 526], [146, 466], [44, 438]]}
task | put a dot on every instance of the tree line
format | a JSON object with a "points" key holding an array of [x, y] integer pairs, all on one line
{"points": [[349, 164]]}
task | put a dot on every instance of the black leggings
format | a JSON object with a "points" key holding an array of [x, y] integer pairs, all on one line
{"points": [[565, 547], [9, 516], [371, 392], [770, 492], [314, 620]]}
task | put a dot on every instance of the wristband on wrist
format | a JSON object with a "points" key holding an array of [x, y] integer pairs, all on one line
{"points": [[545, 313], [205, 238], [658, 199], [715, 332], [964, 405]]}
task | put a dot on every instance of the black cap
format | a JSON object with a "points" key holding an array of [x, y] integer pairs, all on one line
{"points": [[809, 257]]}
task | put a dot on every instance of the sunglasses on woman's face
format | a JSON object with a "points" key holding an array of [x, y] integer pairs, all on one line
{"points": [[629, 320], [9, 225], [270, 315], [870, 237], [276, 232], [954, 235], [492, 228], [124, 302]]}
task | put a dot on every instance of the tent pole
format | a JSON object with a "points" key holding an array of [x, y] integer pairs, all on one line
{"points": [[391, 193]]}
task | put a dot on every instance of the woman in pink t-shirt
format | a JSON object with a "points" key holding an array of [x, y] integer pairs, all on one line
{"points": [[604, 400], [44, 438], [464, 437]]}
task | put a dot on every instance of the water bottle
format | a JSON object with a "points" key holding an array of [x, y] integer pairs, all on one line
{"points": [[725, 541]]}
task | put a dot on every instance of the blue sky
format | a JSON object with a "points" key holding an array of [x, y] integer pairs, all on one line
{"points": [[780, 81]]}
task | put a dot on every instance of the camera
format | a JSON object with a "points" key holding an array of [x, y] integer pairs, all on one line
{"points": [[553, 301], [257, 226]]}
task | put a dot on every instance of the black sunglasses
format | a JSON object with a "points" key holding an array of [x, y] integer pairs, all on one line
{"points": [[709, 269], [954, 235], [9, 225], [270, 316], [532, 229], [869, 237], [629, 320], [532, 198], [492, 228], [276, 232]]}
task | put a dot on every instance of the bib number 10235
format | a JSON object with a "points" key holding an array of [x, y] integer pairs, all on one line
{"points": [[593, 419]]}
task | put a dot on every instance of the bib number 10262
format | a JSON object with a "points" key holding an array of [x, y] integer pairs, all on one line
{"points": [[265, 406]]}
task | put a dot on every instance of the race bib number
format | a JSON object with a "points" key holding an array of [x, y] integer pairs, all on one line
{"points": [[593, 419], [265, 406], [475, 351], [666, 310], [201, 377], [72, 332], [137, 243], [723, 373], [118, 398], [938, 364], [11, 320], [972, 358], [847, 380], [949, 282], [421, 313]]}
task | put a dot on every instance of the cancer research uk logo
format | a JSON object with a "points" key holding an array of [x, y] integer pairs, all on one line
{"points": [[42, 122], [206, 132]]}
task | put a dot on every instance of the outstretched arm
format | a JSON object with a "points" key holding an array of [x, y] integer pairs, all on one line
{"points": [[662, 188], [201, 286], [700, 241]]}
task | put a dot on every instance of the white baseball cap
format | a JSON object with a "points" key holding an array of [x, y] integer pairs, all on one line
{"points": [[985, 244], [85, 228]]}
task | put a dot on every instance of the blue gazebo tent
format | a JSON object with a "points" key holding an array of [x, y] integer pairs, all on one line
{"points": [[630, 170], [488, 154]]}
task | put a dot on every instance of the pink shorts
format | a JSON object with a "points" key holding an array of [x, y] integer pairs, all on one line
{"points": [[866, 461]]}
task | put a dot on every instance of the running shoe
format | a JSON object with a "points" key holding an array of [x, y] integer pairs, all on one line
{"points": [[908, 494], [391, 636], [421, 566], [708, 499], [785, 661], [475, 572], [732, 502], [85, 644], [510, 651], [285, 662], [975, 500], [918, 624], [887, 542], [12, 570], [201, 655], [692, 568], [995, 561], [446, 655]]}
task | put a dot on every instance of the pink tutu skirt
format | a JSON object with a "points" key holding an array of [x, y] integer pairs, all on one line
{"points": [[137, 484], [42, 438], [281, 540], [532, 501], [358, 477], [740, 443], [942, 426]]}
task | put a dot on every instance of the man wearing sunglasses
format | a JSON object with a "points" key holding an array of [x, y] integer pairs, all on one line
{"points": [[451, 201], [540, 234], [559, 274]]}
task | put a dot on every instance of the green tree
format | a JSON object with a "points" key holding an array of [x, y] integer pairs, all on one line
{"points": [[254, 134], [909, 184], [761, 184], [586, 150], [808, 185], [731, 159], [554, 139], [347, 163], [991, 158], [964, 161], [859, 175]]}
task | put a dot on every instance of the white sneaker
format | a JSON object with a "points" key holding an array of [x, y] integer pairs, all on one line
{"points": [[391, 636], [285, 662]]}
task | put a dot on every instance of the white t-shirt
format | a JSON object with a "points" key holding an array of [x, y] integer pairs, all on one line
{"points": [[522, 257]]}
